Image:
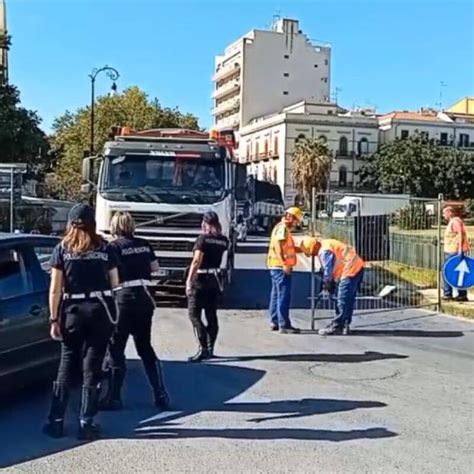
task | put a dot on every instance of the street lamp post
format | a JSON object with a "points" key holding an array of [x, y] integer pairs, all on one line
{"points": [[113, 75]]}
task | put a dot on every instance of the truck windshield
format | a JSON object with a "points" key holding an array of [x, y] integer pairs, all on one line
{"points": [[161, 179]]}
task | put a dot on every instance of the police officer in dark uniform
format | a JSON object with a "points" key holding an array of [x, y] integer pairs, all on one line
{"points": [[204, 284], [136, 306], [83, 274]]}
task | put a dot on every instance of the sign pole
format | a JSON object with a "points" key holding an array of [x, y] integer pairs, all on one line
{"points": [[439, 256], [11, 200]]}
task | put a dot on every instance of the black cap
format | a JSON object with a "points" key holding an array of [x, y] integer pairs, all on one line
{"points": [[81, 214]]}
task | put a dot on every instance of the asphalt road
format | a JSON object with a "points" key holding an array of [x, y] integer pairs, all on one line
{"points": [[397, 396]]}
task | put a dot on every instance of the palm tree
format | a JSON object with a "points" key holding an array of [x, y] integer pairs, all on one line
{"points": [[5, 41], [311, 165]]}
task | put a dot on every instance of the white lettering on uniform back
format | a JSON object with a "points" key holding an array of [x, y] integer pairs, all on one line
{"points": [[135, 250]]}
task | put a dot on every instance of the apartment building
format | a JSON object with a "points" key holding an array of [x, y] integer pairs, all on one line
{"points": [[267, 70]]}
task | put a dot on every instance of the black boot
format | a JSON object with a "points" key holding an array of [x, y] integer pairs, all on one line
{"points": [[55, 425], [113, 399], [155, 378], [211, 342], [201, 354], [88, 430]]}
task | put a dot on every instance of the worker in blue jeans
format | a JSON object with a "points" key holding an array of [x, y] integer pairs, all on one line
{"points": [[280, 261]]}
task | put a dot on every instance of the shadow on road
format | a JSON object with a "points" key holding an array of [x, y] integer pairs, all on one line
{"points": [[251, 288], [405, 333], [194, 388], [332, 358], [272, 434]]}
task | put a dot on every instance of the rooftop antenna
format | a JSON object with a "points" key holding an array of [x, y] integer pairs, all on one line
{"points": [[335, 94], [276, 17], [442, 85]]}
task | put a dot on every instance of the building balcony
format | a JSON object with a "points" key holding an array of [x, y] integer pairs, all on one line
{"points": [[227, 88], [232, 121], [225, 71], [226, 106]]}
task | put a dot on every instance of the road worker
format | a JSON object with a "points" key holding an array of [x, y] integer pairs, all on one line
{"points": [[82, 315], [136, 305], [342, 266], [455, 242], [281, 260], [204, 284]]}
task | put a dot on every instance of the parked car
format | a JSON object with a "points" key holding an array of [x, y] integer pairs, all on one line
{"points": [[27, 353]]}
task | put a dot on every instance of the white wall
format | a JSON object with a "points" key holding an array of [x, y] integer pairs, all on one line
{"points": [[264, 66]]}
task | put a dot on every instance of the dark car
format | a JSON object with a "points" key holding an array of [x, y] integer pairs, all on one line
{"points": [[27, 353]]}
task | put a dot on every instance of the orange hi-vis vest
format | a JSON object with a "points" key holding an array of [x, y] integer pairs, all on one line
{"points": [[348, 263], [451, 238], [289, 250]]}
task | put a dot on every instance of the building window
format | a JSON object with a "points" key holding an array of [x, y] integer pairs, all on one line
{"points": [[363, 147], [275, 175], [463, 140], [287, 56], [324, 79], [342, 177], [286, 74], [323, 139], [285, 92], [248, 151], [265, 148], [443, 139], [405, 134], [343, 146], [256, 150], [275, 146], [425, 135], [326, 62], [301, 136]]}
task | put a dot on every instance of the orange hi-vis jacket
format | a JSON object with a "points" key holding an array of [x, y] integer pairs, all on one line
{"points": [[451, 237], [281, 233], [348, 263]]}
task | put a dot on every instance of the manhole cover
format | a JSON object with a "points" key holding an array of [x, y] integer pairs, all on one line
{"points": [[349, 373]]}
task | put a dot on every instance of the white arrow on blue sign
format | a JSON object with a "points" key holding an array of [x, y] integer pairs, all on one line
{"points": [[459, 272]]}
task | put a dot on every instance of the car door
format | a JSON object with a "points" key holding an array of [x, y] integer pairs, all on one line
{"points": [[24, 341]]}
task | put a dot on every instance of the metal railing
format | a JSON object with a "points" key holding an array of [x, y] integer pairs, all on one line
{"points": [[400, 240]]}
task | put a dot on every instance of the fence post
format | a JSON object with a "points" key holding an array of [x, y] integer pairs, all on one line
{"points": [[439, 280], [313, 279]]}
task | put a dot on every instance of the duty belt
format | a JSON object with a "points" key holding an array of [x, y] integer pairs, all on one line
{"points": [[83, 296], [98, 295], [217, 272], [138, 284]]}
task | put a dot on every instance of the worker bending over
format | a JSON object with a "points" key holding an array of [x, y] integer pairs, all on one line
{"points": [[342, 267]]}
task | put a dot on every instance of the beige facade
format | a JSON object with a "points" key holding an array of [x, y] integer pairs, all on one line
{"points": [[448, 128], [267, 143], [264, 71]]}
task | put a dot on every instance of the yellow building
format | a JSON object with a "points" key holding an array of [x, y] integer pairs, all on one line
{"points": [[462, 107]]}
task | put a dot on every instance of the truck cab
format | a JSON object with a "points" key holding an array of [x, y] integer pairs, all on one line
{"points": [[166, 179]]}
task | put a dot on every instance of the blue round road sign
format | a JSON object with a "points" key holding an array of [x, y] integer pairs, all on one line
{"points": [[459, 272]]}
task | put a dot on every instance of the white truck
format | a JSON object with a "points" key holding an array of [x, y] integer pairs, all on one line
{"points": [[167, 179], [368, 205]]}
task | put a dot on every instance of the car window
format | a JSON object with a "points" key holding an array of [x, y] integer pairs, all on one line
{"points": [[15, 278], [44, 252]]}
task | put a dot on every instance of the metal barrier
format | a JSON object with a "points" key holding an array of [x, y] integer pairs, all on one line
{"points": [[400, 239]]}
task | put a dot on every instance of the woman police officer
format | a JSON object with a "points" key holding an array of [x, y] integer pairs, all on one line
{"points": [[83, 274], [203, 284], [136, 263]]}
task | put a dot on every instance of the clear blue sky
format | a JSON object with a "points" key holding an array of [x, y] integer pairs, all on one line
{"points": [[390, 53]]}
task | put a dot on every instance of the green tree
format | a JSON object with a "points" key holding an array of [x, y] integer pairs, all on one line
{"points": [[311, 165], [417, 166], [71, 132], [21, 139]]}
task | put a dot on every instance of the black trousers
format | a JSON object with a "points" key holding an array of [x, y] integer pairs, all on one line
{"points": [[85, 329], [135, 313], [204, 297]]}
